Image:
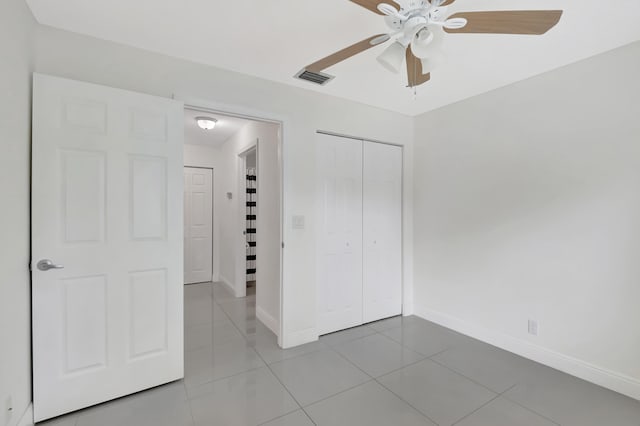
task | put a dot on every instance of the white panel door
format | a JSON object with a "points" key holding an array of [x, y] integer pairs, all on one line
{"points": [[198, 225], [107, 184], [382, 231], [339, 251]]}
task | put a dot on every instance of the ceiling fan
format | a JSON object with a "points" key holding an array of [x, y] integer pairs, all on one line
{"points": [[418, 27]]}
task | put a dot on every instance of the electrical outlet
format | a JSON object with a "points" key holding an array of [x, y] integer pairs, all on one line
{"points": [[533, 327]]}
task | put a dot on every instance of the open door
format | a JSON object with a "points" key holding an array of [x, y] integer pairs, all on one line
{"points": [[107, 244]]}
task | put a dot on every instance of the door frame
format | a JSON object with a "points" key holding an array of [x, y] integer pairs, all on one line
{"points": [[284, 123], [406, 304], [213, 218]]}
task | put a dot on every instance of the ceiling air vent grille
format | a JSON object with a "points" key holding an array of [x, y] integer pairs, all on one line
{"points": [[314, 77]]}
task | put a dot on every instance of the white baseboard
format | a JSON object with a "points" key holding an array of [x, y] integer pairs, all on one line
{"points": [[617, 382], [297, 338], [407, 309], [228, 284], [268, 320], [27, 417]]}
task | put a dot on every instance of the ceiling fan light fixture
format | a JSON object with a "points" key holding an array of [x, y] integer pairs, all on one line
{"points": [[421, 42], [206, 123], [435, 60], [392, 57], [427, 42]]}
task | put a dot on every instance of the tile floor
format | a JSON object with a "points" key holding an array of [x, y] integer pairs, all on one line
{"points": [[396, 372]]}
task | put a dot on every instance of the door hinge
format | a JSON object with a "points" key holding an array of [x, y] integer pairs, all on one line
{"points": [[283, 244]]}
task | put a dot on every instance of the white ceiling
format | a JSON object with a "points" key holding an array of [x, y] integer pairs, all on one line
{"points": [[274, 39], [225, 128]]}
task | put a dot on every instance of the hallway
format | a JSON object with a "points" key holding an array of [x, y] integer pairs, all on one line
{"points": [[400, 371]]}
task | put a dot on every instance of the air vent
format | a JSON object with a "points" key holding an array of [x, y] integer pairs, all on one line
{"points": [[314, 77]]}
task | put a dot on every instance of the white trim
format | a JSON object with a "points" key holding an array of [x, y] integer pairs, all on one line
{"points": [[298, 338], [617, 382], [407, 309], [27, 417], [228, 284], [266, 319]]}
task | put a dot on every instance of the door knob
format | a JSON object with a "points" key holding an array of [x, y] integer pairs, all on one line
{"points": [[46, 264]]}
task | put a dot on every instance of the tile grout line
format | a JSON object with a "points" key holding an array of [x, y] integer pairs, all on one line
{"points": [[188, 401], [246, 340], [375, 331], [502, 394], [462, 375], [221, 378], [288, 391], [273, 374], [430, 357], [349, 340], [285, 415], [407, 402], [479, 408], [338, 393], [184, 384], [527, 408], [378, 382]]}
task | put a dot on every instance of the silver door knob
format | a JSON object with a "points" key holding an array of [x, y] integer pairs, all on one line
{"points": [[46, 264]]}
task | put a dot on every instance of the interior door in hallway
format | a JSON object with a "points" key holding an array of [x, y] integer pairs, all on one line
{"points": [[107, 255], [198, 225], [382, 231]]}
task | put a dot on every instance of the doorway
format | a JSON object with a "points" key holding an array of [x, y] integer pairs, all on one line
{"points": [[244, 155]]}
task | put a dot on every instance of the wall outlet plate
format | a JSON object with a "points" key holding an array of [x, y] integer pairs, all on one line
{"points": [[533, 327]]}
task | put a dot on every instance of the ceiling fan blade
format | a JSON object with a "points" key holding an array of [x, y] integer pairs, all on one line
{"points": [[443, 2], [347, 52], [415, 77], [533, 22], [372, 5]]}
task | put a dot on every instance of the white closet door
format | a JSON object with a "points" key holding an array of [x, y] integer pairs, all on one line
{"points": [[107, 252], [339, 263], [198, 224], [382, 231]]}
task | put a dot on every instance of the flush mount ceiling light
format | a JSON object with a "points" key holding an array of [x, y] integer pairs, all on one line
{"points": [[206, 123], [417, 28]]}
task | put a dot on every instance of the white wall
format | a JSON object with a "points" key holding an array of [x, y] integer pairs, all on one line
{"points": [[16, 28], [529, 207], [209, 158], [84, 58], [269, 225]]}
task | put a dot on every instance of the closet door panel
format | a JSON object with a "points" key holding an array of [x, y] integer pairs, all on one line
{"points": [[339, 250], [382, 231]]}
